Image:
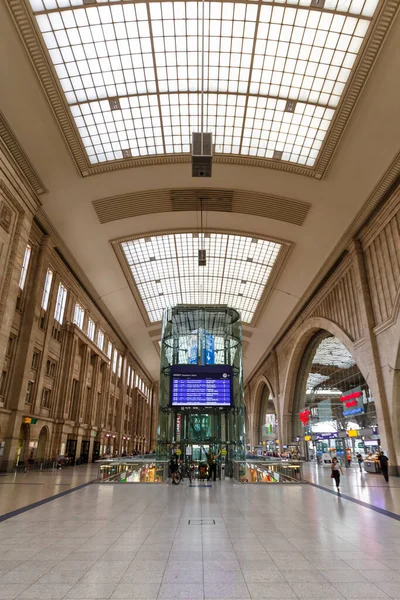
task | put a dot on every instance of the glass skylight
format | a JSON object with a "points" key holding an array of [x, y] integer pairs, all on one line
{"points": [[166, 272], [274, 72], [332, 353]]}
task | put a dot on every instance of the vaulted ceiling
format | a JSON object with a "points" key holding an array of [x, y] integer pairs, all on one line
{"points": [[302, 98]]}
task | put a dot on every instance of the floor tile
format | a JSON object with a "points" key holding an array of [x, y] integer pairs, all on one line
{"points": [[273, 591], [392, 589], [315, 590], [304, 576], [91, 591], [145, 591], [360, 590], [381, 576], [268, 575], [173, 591], [48, 591], [9, 591], [226, 590], [346, 576]]}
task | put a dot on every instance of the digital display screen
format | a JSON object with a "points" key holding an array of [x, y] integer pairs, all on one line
{"points": [[194, 385]]}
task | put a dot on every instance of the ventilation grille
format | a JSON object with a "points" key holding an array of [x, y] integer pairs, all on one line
{"points": [[236, 201], [217, 200], [202, 144]]}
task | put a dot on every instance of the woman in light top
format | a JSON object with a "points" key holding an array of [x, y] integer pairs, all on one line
{"points": [[336, 471]]}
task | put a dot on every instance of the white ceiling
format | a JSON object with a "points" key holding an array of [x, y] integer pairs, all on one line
{"points": [[368, 146]]}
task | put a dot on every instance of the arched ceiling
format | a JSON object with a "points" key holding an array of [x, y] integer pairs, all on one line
{"points": [[94, 206]]}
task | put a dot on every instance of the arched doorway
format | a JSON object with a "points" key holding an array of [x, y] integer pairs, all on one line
{"points": [[42, 444], [333, 405], [266, 420], [23, 445]]}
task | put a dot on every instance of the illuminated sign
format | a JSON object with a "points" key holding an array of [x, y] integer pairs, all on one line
{"points": [[350, 396], [178, 426], [353, 411], [352, 432], [307, 438], [30, 420], [353, 403]]}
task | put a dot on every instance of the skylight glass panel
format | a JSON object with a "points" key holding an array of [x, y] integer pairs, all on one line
{"points": [[274, 73], [166, 272]]}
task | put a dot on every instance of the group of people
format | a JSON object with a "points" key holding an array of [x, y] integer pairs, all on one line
{"points": [[176, 466], [336, 469]]}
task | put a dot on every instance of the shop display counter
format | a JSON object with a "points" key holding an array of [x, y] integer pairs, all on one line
{"points": [[371, 464], [254, 471], [133, 470]]}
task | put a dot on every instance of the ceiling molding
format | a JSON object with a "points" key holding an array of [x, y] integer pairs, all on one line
{"points": [[21, 160], [282, 257], [379, 194], [57, 241], [26, 26], [222, 200]]}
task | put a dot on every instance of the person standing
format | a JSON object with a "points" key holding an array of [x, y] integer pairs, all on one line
{"points": [[212, 465], [336, 471], [384, 465], [348, 456]]}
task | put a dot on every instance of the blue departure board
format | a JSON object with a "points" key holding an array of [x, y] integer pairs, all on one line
{"points": [[193, 385]]}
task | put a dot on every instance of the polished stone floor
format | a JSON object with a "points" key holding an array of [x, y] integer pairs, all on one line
{"points": [[21, 489], [367, 487], [243, 541]]}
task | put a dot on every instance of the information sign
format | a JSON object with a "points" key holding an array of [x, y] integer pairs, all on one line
{"points": [[201, 385]]}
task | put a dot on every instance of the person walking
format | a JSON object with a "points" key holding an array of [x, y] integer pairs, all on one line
{"points": [[384, 465], [336, 471], [360, 460]]}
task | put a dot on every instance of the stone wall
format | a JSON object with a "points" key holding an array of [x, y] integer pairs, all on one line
{"points": [[359, 304], [58, 391]]}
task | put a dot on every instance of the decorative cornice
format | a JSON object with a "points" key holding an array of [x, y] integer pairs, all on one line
{"points": [[371, 47], [387, 181], [22, 161]]}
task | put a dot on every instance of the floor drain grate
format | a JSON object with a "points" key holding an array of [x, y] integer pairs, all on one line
{"points": [[201, 522]]}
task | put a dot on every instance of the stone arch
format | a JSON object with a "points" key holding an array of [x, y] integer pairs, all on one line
{"points": [[306, 332], [43, 442], [262, 383]]}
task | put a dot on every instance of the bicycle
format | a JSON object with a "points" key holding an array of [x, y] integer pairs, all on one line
{"points": [[192, 473], [176, 476]]}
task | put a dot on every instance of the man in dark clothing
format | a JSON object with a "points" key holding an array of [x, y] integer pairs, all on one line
{"points": [[384, 465], [212, 465]]}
